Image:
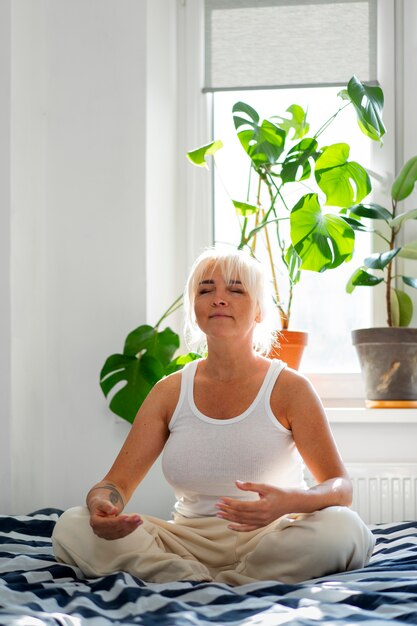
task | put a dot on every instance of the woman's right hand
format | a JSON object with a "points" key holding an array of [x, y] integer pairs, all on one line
{"points": [[144, 443], [107, 523]]}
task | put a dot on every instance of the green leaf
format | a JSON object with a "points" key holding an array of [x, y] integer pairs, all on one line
{"points": [[395, 308], [362, 278], [380, 261], [343, 182], [343, 93], [333, 156], [368, 101], [401, 308], [166, 344], [355, 224], [151, 368], [139, 339], [264, 144], [147, 353], [180, 361], [140, 375], [293, 262], [251, 118], [296, 165], [198, 156], [397, 222], [371, 211], [405, 181], [411, 282], [297, 122], [112, 371], [409, 250], [323, 241], [244, 209], [160, 345]]}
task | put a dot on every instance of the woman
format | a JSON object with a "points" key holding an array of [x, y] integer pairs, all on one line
{"points": [[234, 428]]}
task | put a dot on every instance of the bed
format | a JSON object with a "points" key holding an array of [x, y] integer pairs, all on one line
{"points": [[36, 590]]}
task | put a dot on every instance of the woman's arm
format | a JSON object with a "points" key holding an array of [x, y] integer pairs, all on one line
{"points": [[307, 420], [297, 406], [144, 443]]}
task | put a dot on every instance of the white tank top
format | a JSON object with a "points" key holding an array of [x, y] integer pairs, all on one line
{"points": [[204, 456]]}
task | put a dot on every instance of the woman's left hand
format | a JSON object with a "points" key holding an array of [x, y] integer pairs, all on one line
{"points": [[246, 516]]}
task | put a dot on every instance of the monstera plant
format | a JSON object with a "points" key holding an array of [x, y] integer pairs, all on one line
{"points": [[314, 232], [148, 356]]}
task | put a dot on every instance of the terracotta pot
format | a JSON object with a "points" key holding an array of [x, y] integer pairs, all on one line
{"points": [[388, 359], [289, 347]]}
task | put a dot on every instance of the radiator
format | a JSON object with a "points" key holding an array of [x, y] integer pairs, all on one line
{"points": [[385, 492]]}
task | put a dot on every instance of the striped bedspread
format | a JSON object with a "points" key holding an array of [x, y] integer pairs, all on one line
{"points": [[35, 590]]}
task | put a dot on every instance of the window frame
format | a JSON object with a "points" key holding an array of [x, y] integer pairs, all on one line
{"points": [[396, 41]]}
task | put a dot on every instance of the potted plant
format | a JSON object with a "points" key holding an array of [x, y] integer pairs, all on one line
{"points": [[284, 156], [300, 236], [388, 355], [148, 356]]}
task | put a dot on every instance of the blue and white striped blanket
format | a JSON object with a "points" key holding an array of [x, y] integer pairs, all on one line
{"points": [[35, 590]]}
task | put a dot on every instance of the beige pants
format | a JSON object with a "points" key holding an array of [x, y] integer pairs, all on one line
{"points": [[291, 549]]}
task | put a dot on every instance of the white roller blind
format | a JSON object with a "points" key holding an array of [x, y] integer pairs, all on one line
{"points": [[279, 43]]}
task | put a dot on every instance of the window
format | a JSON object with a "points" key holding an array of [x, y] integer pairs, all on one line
{"points": [[199, 106], [320, 303]]}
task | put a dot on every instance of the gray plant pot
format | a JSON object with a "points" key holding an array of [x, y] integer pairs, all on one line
{"points": [[388, 359]]}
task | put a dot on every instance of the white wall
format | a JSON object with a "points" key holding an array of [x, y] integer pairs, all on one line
{"points": [[5, 339], [92, 187], [371, 441], [162, 155], [84, 147]]}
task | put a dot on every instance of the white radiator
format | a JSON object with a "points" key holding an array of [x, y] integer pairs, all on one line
{"points": [[385, 492]]}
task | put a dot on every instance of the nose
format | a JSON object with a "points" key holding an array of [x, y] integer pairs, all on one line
{"points": [[218, 301]]}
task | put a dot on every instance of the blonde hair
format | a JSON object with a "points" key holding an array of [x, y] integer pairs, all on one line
{"points": [[236, 264]]}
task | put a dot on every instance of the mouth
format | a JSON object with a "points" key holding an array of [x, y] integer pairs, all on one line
{"points": [[219, 315]]}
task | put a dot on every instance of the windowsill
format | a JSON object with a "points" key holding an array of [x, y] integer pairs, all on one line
{"points": [[343, 397], [362, 415]]}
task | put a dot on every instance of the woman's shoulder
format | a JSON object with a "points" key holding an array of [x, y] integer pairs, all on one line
{"points": [[168, 384], [176, 377], [293, 377], [291, 385], [169, 387], [293, 398]]}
